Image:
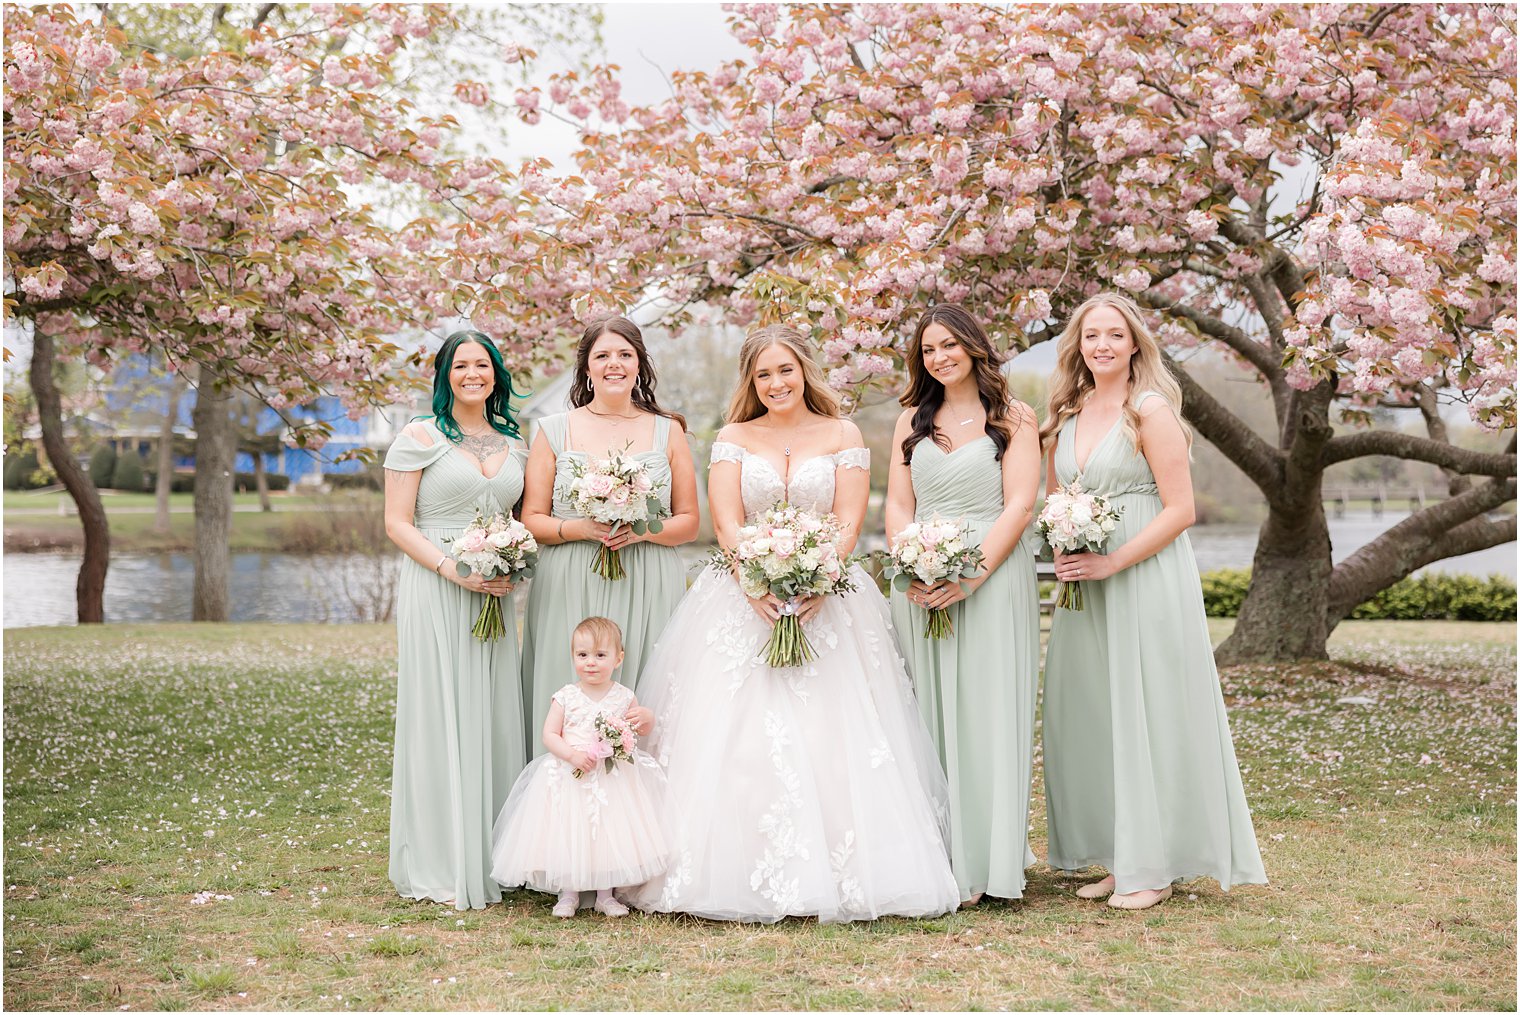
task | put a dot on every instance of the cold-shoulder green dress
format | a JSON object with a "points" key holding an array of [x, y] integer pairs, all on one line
{"points": [[459, 745]]}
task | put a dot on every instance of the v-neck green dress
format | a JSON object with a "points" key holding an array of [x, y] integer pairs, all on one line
{"points": [[1140, 771], [566, 591], [976, 689], [459, 744]]}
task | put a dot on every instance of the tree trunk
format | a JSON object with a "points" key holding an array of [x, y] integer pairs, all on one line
{"points": [[90, 589], [165, 481], [1284, 615], [215, 454], [261, 481]]}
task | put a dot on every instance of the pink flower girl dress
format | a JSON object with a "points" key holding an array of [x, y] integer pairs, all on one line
{"points": [[558, 833]]}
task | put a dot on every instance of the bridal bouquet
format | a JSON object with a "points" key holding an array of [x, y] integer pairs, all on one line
{"points": [[1073, 521], [789, 553], [615, 741], [489, 547], [616, 490], [931, 552]]}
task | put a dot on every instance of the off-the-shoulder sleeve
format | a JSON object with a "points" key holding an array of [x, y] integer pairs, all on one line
{"points": [[723, 451], [408, 454], [854, 458]]}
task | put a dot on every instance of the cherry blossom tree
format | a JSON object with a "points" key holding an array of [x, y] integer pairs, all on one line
{"points": [[260, 207], [1325, 193]]}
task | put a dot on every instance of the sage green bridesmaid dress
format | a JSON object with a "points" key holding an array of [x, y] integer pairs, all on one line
{"points": [[566, 591], [1140, 771], [976, 689], [459, 744]]}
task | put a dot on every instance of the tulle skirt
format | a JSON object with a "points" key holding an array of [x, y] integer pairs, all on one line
{"points": [[810, 791], [558, 833]]}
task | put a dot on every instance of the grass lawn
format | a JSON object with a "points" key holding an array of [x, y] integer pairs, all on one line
{"points": [[32, 521], [250, 764]]}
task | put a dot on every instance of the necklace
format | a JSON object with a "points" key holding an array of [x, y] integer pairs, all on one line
{"points": [[617, 418], [964, 422]]}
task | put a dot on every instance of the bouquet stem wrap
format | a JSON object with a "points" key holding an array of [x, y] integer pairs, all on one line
{"points": [[609, 564], [789, 645], [489, 624]]}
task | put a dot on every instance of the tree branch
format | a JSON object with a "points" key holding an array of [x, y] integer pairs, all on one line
{"points": [[1451, 527], [1260, 461], [1258, 355], [1420, 449]]}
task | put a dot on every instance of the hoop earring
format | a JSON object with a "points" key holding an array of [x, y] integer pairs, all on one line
{"points": [[588, 385]]}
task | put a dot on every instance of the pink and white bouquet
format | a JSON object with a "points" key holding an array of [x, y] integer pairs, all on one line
{"points": [[616, 490], [1074, 521], [615, 741], [490, 547], [931, 552], [789, 553]]}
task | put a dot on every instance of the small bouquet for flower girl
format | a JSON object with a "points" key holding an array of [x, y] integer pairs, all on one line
{"points": [[616, 490], [931, 552], [789, 552], [1074, 521], [499, 545], [615, 741]]}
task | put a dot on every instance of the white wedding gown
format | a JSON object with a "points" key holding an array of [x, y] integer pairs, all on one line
{"points": [[808, 791]]}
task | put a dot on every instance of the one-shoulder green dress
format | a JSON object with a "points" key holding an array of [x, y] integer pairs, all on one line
{"points": [[1140, 771], [976, 689], [459, 744], [566, 591]]}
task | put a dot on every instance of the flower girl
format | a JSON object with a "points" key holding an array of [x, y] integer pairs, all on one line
{"points": [[585, 816]]}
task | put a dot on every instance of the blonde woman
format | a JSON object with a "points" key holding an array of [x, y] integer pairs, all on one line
{"points": [[1140, 771], [804, 791]]}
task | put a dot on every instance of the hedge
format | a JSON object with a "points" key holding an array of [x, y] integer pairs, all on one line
{"points": [[184, 482], [23, 471], [102, 466], [1435, 596], [129, 473]]}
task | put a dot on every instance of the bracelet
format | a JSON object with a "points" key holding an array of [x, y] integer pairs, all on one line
{"points": [[560, 534], [438, 567]]}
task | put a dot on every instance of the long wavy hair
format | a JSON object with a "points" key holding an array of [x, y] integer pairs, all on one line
{"points": [[1071, 383], [745, 404], [926, 394], [498, 402], [643, 384]]}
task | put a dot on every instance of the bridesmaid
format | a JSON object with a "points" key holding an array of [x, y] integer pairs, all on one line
{"points": [[614, 408], [1140, 771], [965, 449], [459, 743]]}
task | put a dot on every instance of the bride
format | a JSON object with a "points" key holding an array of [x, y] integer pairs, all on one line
{"points": [[812, 790]]}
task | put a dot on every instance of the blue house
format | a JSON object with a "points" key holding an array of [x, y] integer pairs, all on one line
{"points": [[137, 400]]}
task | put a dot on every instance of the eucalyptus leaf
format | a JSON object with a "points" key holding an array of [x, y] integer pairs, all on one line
{"points": [[901, 582]]}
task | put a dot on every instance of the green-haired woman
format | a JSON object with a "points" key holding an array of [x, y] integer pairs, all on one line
{"points": [[458, 701]]}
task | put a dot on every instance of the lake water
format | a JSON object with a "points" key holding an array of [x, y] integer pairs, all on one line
{"points": [[285, 588]]}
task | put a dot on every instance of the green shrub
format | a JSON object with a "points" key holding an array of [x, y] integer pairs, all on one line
{"points": [[1435, 596], [102, 466], [369, 479], [129, 473], [184, 482], [22, 470], [1224, 590], [245, 482]]}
